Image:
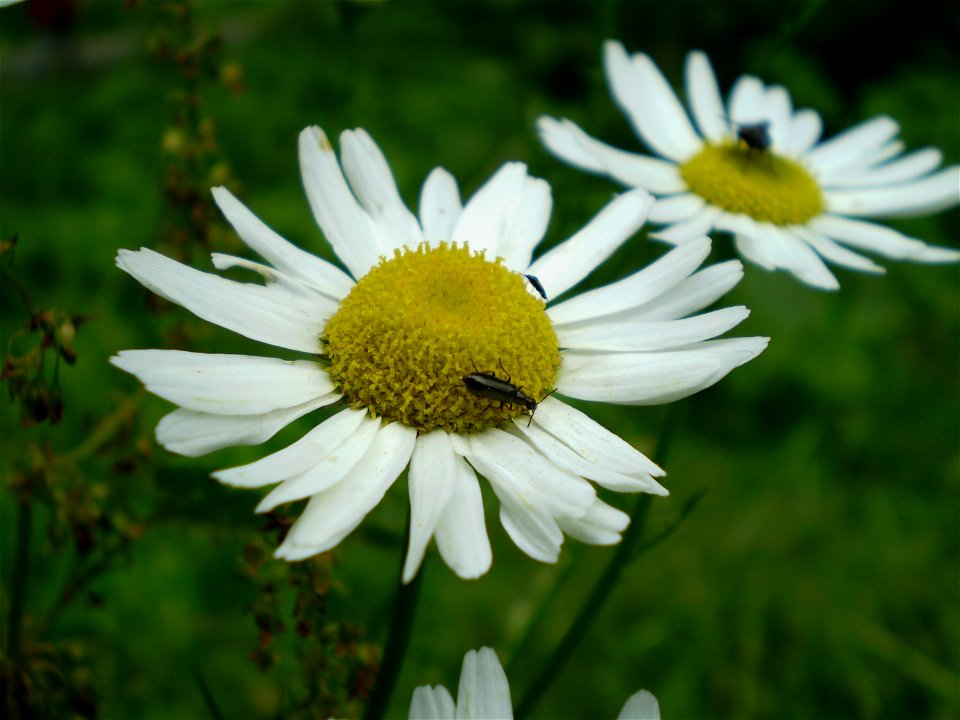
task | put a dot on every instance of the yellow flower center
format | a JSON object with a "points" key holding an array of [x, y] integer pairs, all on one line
{"points": [[758, 183], [412, 328]]}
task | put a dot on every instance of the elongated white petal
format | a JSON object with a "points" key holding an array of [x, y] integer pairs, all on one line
{"points": [[601, 525], [650, 335], [431, 479], [634, 290], [372, 181], [646, 97], [592, 441], [192, 433], [836, 253], [320, 303], [525, 224], [919, 197], [518, 471], [850, 146], [747, 101], [693, 294], [703, 95], [298, 457], [483, 219], [484, 691], [269, 314], [225, 384], [676, 208], [779, 113], [696, 226], [327, 469], [572, 260], [795, 255], [283, 255], [348, 228], [805, 129], [653, 378], [642, 705], [571, 144], [880, 239], [440, 206], [461, 532], [560, 453], [333, 514], [431, 703], [877, 155], [533, 531], [903, 169]]}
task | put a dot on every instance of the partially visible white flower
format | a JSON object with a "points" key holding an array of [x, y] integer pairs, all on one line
{"points": [[429, 302], [7, 3], [484, 693], [756, 170]]}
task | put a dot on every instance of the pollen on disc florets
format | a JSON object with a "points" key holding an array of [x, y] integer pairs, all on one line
{"points": [[417, 323], [758, 183]]}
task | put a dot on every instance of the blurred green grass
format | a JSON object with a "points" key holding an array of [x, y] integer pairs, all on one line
{"points": [[818, 577]]}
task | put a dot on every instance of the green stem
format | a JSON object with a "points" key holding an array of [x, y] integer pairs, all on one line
{"points": [[18, 583], [398, 638], [605, 584]]}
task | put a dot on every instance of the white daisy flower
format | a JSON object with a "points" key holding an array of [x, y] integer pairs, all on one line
{"points": [[438, 350], [755, 169], [485, 693]]}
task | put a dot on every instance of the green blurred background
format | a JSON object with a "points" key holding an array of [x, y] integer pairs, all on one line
{"points": [[819, 574]]}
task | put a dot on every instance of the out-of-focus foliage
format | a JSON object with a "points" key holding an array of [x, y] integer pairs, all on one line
{"points": [[818, 577]]}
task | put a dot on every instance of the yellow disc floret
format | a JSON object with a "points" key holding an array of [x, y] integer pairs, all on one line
{"points": [[758, 183], [414, 326]]}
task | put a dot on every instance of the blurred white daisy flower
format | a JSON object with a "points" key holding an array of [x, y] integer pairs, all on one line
{"points": [[438, 349], [755, 169], [485, 693]]}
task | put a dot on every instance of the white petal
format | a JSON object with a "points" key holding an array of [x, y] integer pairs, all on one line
{"points": [[192, 433], [484, 691], [879, 154], [653, 378], [747, 101], [462, 533], [641, 705], [571, 144], [836, 253], [525, 225], [283, 255], [321, 303], [849, 147], [431, 480], [779, 113], [634, 290], [703, 95], [569, 459], [371, 180], [693, 294], [332, 465], [592, 441], [920, 197], [225, 384], [440, 206], [880, 239], [601, 525], [269, 314], [700, 224], [571, 261], [532, 530], [482, 221], [431, 703], [333, 514], [298, 457], [676, 208], [903, 169], [349, 229], [649, 335], [517, 471], [805, 129]]}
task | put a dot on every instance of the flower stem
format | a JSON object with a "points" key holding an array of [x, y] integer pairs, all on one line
{"points": [[605, 584], [398, 638]]}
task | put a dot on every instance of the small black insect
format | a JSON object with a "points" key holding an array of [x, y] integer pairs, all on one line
{"points": [[756, 136], [489, 386], [537, 285]]}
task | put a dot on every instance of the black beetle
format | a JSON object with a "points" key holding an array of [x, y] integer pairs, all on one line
{"points": [[489, 386], [537, 285], [756, 136]]}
